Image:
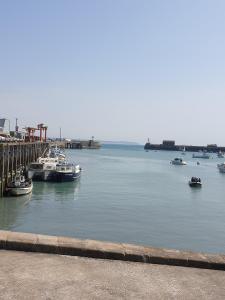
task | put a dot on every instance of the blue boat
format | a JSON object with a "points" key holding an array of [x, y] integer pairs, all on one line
{"points": [[66, 172]]}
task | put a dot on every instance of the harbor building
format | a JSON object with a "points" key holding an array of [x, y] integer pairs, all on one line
{"points": [[4, 127]]}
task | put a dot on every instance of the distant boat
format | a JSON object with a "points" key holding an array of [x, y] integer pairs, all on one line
{"points": [[221, 167], [201, 154], [178, 162], [183, 151], [195, 182]]}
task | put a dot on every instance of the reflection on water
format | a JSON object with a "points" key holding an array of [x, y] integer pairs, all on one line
{"points": [[11, 208], [62, 190], [14, 210]]}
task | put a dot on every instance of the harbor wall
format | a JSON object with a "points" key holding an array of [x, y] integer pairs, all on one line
{"points": [[15, 155], [82, 144], [106, 250], [189, 148]]}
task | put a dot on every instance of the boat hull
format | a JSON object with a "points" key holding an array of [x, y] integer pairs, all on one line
{"points": [[20, 191], [43, 175], [195, 184], [65, 177]]}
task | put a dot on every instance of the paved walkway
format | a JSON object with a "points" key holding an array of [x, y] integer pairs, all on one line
{"points": [[26, 275]]}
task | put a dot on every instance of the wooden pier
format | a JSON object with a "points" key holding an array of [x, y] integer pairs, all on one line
{"points": [[15, 155]]}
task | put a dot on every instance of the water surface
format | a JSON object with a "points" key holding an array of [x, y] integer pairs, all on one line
{"points": [[128, 195]]}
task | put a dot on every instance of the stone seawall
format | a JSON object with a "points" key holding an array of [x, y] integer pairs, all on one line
{"points": [[106, 250]]}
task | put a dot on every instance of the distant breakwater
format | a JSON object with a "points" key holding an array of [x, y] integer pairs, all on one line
{"points": [[82, 144], [189, 148]]}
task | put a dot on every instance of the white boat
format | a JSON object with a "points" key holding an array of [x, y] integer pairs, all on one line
{"points": [[43, 169], [220, 154], [54, 152], [221, 167], [178, 161], [201, 154], [19, 186], [183, 151]]}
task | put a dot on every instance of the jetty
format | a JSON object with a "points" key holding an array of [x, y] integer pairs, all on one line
{"points": [[170, 145], [15, 155], [82, 144]]}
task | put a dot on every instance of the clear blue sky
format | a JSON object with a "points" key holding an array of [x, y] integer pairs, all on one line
{"points": [[115, 69]]}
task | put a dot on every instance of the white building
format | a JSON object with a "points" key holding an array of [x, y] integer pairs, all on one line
{"points": [[4, 127]]}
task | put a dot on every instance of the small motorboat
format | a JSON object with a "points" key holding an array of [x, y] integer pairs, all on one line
{"points": [[178, 161], [195, 182], [221, 167], [20, 185]]}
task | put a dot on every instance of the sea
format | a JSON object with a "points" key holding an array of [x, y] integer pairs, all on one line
{"points": [[126, 194]]}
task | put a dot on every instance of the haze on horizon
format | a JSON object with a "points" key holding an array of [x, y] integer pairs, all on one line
{"points": [[117, 70]]}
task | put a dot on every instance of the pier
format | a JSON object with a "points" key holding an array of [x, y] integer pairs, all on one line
{"points": [[171, 146], [15, 155], [82, 144]]}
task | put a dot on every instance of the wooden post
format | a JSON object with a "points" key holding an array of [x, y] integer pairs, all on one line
{"points": [[2, 171]]}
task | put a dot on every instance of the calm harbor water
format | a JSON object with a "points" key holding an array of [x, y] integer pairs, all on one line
{"points": [[128, 195]]}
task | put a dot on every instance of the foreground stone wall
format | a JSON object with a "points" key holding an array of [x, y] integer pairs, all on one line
{"points": [[106, 250]]}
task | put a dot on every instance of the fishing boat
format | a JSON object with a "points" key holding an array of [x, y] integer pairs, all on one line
{"points": [[178, 161], [43, 169], [221, 167], [201, 154], [195, 182], [20, 185], [66, 172]]}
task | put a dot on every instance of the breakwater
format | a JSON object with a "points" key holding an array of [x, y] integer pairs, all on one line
{"points": [[189, 148], [15, 155], [82, 144]]}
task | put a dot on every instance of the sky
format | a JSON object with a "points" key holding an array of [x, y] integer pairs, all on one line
{"points": [[115, 69]]}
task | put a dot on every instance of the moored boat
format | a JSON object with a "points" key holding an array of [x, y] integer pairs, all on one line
{"points": [[66, 172], [19, 186], [42, 169]]}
